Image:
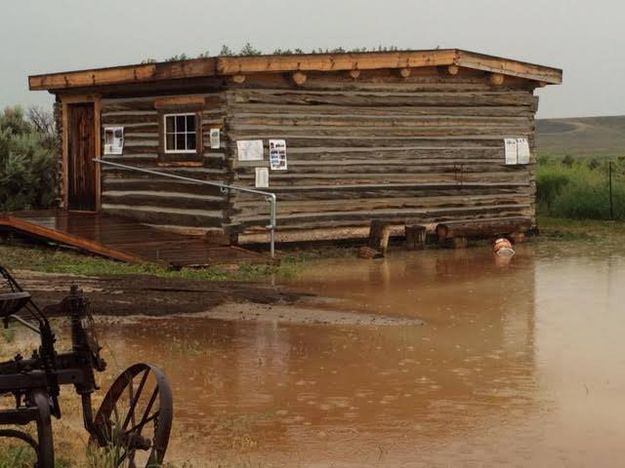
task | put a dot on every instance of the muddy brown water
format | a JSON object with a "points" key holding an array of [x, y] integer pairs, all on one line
{"points": [[518, 364]]}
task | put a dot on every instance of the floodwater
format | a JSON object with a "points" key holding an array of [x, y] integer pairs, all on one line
{"points": [[517, 365]]}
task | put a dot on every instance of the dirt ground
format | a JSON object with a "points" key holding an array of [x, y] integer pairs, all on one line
{"points": [[150, 295], [136, 296]]}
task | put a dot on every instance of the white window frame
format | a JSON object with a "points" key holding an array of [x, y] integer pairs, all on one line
{"points": [[196, 132], [114, 149]]}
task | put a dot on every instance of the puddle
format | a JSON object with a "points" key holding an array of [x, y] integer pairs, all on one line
{"points": [[520, 364]]}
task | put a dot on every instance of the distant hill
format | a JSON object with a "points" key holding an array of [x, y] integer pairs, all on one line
{"points": [[581, 137]]}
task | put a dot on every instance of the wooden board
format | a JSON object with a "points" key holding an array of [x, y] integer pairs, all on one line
{"points": [[124, 240]]}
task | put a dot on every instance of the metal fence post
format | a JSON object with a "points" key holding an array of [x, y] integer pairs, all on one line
{"points": [[610, 188]]}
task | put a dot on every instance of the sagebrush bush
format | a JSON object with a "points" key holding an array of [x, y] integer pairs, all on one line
{"points": [[27, 166]]}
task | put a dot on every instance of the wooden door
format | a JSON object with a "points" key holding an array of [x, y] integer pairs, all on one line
{"points": [[81, 170]]}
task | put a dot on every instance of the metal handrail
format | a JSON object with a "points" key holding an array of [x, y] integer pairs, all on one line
{"points": [[270, 197]]}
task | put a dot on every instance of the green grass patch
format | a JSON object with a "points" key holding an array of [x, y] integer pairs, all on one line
{"points": [[579, 189], [561, 229], [48, 260]]}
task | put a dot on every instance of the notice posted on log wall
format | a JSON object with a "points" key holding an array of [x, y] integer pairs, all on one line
{"points": [[262, 177], [277, 155], [517, 151], [511, 150], [250, 150]]}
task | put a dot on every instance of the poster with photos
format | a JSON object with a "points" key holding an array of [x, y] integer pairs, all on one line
{"points": [[277, 155]]}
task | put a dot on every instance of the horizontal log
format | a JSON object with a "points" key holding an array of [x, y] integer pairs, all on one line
{"points": [[517, 210], [163, 199], [397, 177], [306, 141], [359, 99], [147, 184], [253, 132], [331, 194], [123, 120], [356, 121], [476, 229], [395, 203], [161, 216], [292, 110], [341, 171]]}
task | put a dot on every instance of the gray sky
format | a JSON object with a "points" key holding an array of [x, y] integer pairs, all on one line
{"points": [[584, 38]]}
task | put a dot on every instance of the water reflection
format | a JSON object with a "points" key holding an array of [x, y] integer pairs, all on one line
{"points": [[294, 394]]}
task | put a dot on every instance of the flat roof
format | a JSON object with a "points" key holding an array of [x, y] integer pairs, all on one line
{"points": [[237, 65]]}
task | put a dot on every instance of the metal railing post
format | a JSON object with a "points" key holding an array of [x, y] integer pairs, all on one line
{"points": [[272, 226], [269, 196]]}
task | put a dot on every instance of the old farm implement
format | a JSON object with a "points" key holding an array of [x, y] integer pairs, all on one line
{"points": [[134, 420]]}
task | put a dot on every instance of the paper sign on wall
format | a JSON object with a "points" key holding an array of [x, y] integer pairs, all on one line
{"points": [[511, 150], [113, 140], [250, 150], [523, 151], [277, 155], [215, 138], [262, 177]]}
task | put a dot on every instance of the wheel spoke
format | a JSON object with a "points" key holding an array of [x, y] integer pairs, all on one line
{"points": [[142, 423], [134, 399], [149, 407]]}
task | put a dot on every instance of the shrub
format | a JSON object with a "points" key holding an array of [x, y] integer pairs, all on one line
{"points": [[579, 190], [27, 165]]}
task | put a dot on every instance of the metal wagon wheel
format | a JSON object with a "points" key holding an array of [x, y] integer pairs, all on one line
{"points": [[135, 417]]}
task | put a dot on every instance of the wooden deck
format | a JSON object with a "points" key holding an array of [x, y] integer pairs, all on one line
{"points": [[124, 239]]}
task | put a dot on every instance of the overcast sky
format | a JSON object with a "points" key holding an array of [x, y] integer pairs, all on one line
{"points": [[584, 38]]}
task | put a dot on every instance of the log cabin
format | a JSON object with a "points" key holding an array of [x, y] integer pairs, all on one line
{"points": [[427, 137]]}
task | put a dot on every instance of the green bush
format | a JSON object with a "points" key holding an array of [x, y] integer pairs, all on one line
{"points": [[27, 165], [579, 189]]}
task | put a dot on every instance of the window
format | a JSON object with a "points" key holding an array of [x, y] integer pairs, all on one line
{"points": [[180, 133], [113, 140]]}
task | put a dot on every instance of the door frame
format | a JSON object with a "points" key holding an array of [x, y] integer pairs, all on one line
{"points": [[65, 102]]}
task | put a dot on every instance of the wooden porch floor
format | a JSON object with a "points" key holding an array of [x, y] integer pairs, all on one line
{"points": [[124, 239]]}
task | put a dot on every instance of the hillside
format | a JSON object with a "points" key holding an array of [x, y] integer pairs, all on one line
{"points": [[581, 137]]}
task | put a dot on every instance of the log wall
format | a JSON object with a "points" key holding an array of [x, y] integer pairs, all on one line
{"points": [[158, 200], [426, 147], [429, 148]]}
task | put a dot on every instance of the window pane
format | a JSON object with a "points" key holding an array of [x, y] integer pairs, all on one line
{"points": [[180, 143], [190, 141], [180, 123], [190, 123], [169, 142], [169, 124]]}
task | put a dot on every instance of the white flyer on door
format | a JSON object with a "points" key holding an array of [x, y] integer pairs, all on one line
{"points": [[511, 150], [250, 150], [523, 151]]}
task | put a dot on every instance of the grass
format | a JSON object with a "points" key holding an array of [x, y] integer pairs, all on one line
{"points": [[560, 229], [579, 189], [44, 259]]}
